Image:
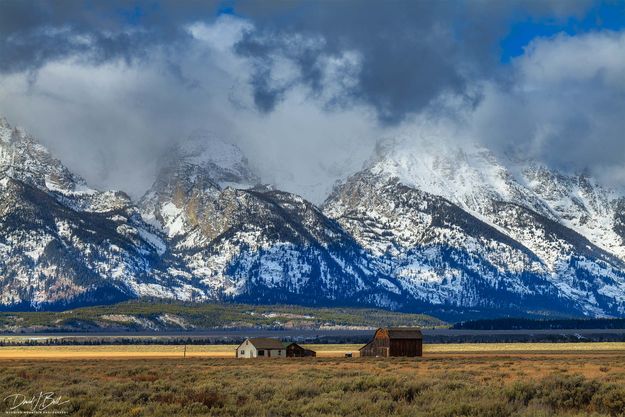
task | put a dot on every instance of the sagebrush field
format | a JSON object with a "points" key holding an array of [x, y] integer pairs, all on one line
{"points": [[503, 383]]}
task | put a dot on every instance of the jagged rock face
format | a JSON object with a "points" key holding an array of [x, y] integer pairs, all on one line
{"points": [[185, 193], [23, 158], [281, 248], [473, 178], [439, 229], [63, 244], [218, 160], [257, 244], [528, 245], [581, 204], [440, 254]]}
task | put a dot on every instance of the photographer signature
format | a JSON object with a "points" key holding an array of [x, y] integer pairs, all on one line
{"points": [[40, 402]]}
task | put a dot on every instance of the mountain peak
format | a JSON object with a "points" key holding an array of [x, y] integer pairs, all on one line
{"points": [[24, 158], [427, 223], [221, 159]]}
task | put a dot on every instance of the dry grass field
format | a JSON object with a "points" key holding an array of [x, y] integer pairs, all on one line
{"points": [[450, 380], [324, 351]]}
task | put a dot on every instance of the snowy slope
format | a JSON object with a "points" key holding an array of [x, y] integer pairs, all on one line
{"points": [[255, 244], [62, 243], [565, 224], [425, 226], [472, 177]]}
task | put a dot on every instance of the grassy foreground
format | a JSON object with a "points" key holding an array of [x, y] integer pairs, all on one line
{"points": [[545, 384]]}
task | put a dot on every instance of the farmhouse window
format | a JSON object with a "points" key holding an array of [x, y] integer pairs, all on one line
{"points": [[261, 353]]}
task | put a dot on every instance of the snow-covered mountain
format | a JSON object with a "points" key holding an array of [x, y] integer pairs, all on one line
{"points": [[547, 240], [62, 243], [423, 227], [253, 243], [472, 177]]}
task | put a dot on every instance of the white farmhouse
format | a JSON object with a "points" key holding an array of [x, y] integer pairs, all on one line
{"points": [[261, 347]]}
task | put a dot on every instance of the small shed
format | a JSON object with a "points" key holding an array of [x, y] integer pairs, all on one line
{"points": [[261, 347], [296, 351], [395, 341]]}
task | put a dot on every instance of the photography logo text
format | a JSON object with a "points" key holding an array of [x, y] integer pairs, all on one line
{"points": [[39, 403]]}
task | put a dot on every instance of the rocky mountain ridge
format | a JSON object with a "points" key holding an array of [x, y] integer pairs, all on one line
{"points": [[421, 228], [65, 244]]}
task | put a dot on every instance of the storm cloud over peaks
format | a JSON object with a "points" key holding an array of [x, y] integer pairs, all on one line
{"points": [[566, 107], [405, 56], [306, 89], [33, 33], [409, 52]]}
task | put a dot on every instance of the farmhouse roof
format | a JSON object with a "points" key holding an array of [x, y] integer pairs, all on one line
{"points": [[404, 333], [266, 343]]}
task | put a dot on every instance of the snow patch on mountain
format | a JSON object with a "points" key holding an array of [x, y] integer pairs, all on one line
{"points": [[473, 177], [423, 225]]}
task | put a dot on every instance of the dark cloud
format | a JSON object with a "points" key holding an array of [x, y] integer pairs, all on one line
{"points": [[34, 32], [263, 50], [407, 52], [412, 51], [306, 88]]}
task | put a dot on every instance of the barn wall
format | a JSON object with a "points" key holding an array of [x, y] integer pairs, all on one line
{"points": [[272, 353], [406, 347], [279, 353], [383, 346]]}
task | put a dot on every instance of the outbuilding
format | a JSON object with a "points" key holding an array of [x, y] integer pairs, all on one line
{"points": [[296, 351], [395, 341], [261, 347]]}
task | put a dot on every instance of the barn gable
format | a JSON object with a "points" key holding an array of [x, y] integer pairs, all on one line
{"points": [[395, 341], [296, 351]]}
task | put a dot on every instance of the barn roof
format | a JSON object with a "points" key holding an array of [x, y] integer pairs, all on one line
{"points": [[366, 346], [404, 333], [295, 346], [266, 343]]}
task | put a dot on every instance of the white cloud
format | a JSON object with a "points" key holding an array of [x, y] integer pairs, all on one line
{"points": [[565, 105], [564, 61], [110, 122], [222, 34]]}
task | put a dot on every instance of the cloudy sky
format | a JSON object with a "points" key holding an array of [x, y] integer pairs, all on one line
{"points": [[307, 88]]}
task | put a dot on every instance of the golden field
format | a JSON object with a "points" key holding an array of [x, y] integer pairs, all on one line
{"points": [[492, 380], [327, 350]]}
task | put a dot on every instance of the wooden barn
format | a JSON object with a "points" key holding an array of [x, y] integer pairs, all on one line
{"points": [[395, 341], [261, 347], [296, 351]]}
